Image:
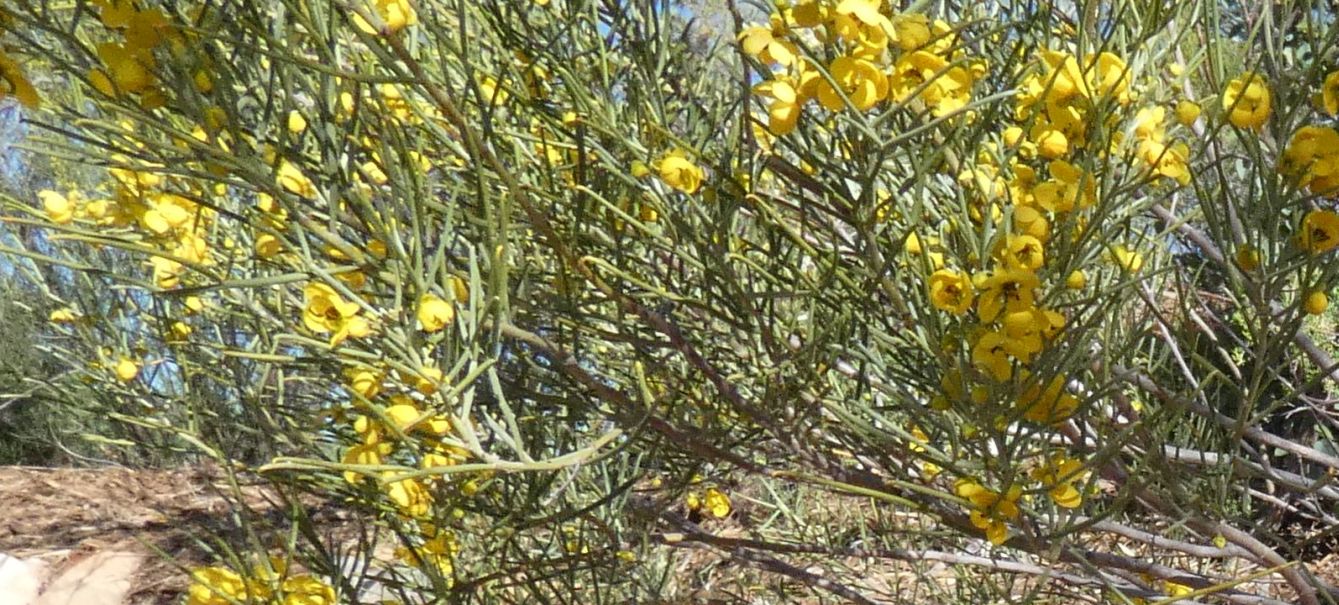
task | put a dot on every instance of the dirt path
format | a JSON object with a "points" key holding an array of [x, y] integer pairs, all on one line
{"points": [[90, 536]]}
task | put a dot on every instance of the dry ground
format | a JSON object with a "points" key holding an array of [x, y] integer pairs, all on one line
{"points": [[62, 518], [76, 524]]}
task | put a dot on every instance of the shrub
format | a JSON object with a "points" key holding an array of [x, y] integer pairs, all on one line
{"points": [[545, 290]]}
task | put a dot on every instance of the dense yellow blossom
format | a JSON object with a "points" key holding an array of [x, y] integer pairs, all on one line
{"points": [[859, 81], [216, 586]]}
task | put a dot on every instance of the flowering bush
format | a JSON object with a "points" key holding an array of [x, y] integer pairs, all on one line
{"points": [[547, 290]]}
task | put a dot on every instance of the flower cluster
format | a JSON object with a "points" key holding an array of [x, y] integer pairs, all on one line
{"points": [[991, 510], [876, 57], [712, 500], [1063, 101], [270, 584], [128, 67], [164, 210]]}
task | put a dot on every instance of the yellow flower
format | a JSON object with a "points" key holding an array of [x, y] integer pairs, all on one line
{"points": [[180, 331], [1063, 75], [951, 291], [290, 177], [1247, 101], [1187, 112], [1049, 141], [1030, 220], [767, 44], [1108, 76], [1166, 160], [717, 503], [929, 77], [63, 315], [1329, 92], [1177, 590], [403, 415], [458, 288], [203, 82], [1148, 123], [325, 308], [426, 380], [1005, 289], [1022, 252], [216, 586], [307, 590], [1076, 280], [990, 354], [326, 312], [1059, 475], [434, 313], [126, 369], [1128, 260], [1069, 187], [859, 79], [784, 110], [147, 29], [808, 13], [680, 173], [364, 381], [491, 92], [166, 272], [984, 181], [1316, 302], [1023, 331], [396, 14], [363, 454], [991, 510], [410, 496], [1319, 232], [860, 22], [59, 208], [1312, 157], [296, 123], [128, 69], [267, 246], [1049, 405], [913, 30]]}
